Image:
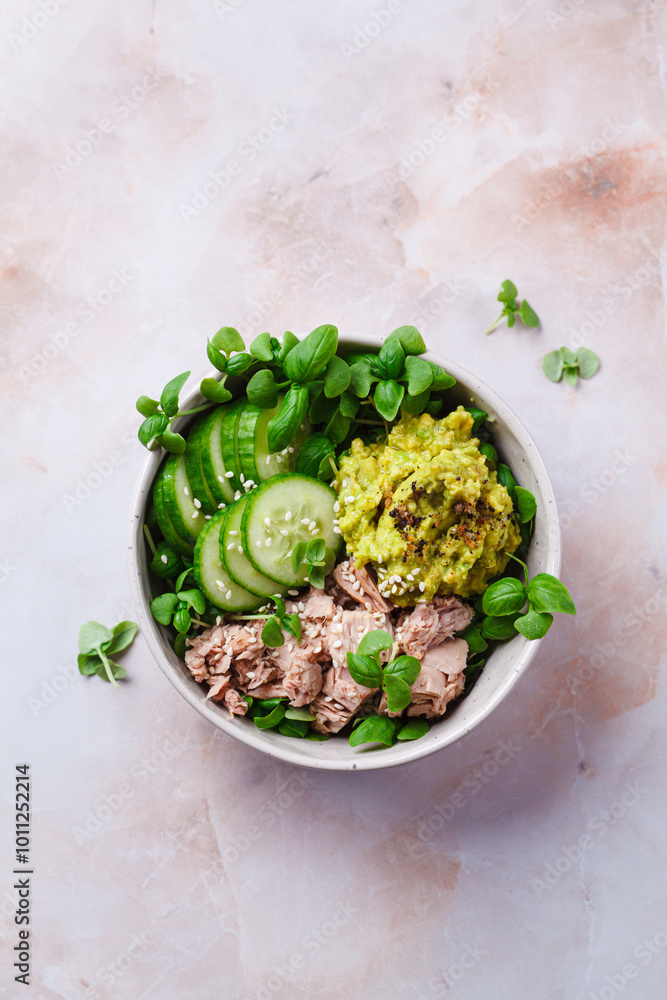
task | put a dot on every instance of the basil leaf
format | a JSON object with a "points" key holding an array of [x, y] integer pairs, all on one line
{"points": [[547, 593], [489, 452], [211, 389], [588, 362], [316, 551], [407, 668], [499, 628], [374, 642], [194, 599], [284, 426], [528, 315], [239, 363], [336, 378], [292, 727], [316, 576], [506, 479], [122, 637], [552, 366], [473, 636], [299, 714], [289, 341], [91, 635], [162, 568], [420, 375], [216, 357], [441, 380], [171, 441], [414, 729], [261, 347], [415, 404], [409, 338], [292, 624], [182, 620], [338, 427], [374, 729], [275, 716], [360, 379], [364, 670], [534, 625], [152, 427], [272, 634], [316, 449], [504, 597], [398, 691], [261, 389], [311, 355], [170, 393], [298, 553], [387, 398], [322, 409], [181, 577], [526, 504], [147, 407], [478, 417], [391, 359], [349, 404], [228, 339], [508, 292]]}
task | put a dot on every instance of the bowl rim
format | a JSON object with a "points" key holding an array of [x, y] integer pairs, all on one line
{"points": [[362, 761]]}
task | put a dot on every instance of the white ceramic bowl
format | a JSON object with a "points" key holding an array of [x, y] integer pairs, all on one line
{"points": [[503, 668]]}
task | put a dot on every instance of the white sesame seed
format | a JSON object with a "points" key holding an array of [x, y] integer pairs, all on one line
{"points": [[221, 506], [290, 450], [258, 543], [221, 479], [349, 498], [336, 506], [240, 549], [422, 586], [207, 517], [337, 531], [232, 545], [279, 459], [318, 649], [229, 475], [186, 491], [293, 593], [267, 522], [250, 674], [417, 570], [380, 560], [305, 520], [196, 502], [284, 531], [301, 606], [218, 620], [195, 513], [328, 697], [288, 515], [233, 533], [228, 595], [268, 459], [242, 478], [394, 589], [220, 584], [337, 644], [337, 627], [164, 559], [344, 483], [249, 482], [268, 543]]}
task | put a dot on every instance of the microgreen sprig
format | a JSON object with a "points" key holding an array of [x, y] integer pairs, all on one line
{"points": [[312, 555], [565, 362], [394, 679], [272, 633], [97, 644], [508, 295], [505, 600]]}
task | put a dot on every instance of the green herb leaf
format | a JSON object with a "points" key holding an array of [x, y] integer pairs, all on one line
{"points": [[211, 389], [506, 479], [162, 568], [170, 393], [349, 404], [163, 607], [398, 691], [227, 339], [93, 635], [508, 292], [298, 554], [179, 646], [441, 379], [322, 409], [317, 448], [338, 427], [261, 347], [216, 357], [504, 597], [123, 636], [261, 389], [526, 504], [281, 610], [289, 341], [336, 378], [375, 642], [364, 670], [407, 668], [387, 398], [171, 441], [88, 663], [319, 737], [473, 636], [374, 729], [409, 338], [152, 427], [287, 421], [194, 599], [415, 404], [571, 375], [290, 727], [534, 624], [275, 716], [499, 628], [316, 551], [547, 593], [478, 417], [489, 452], [182, 620], [391, 359], [568, 356], [311, 356], [292, 624], [528, 315], [588, 362], [299, 714], [360, 379], [272, 634], [414, 729], [420, 375], [239, 363], [552, 366], [147, 407], [182, 577], [316, 577]]}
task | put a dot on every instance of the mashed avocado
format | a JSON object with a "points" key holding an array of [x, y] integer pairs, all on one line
{"points": [[426, 509]]}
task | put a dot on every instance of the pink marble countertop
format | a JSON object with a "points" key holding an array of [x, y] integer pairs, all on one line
{"points": [[172, 167]]}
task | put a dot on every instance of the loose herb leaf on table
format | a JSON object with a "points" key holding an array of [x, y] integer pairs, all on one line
{"points": [[97, 644]]}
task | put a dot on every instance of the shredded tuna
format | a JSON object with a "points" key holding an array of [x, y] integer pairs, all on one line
{"points": [[430, 624], [361, 586], [440, 680]]}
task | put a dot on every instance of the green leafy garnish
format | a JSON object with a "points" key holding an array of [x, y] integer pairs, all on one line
{"points": [[97, 644], [313, 555], [512, 309], [395, 679], [565, 362], [505, 600], [272, 633]]}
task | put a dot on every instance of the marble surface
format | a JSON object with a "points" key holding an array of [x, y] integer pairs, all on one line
{"points": [[169, 167]]}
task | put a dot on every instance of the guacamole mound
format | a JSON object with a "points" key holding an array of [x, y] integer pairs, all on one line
{"points": [[426, 507]]}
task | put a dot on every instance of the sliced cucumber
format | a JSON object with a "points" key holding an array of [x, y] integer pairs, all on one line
{"points": [[182, 545], [186, 517], [194, 468], [234, 559], [212, 577], [213, 465], [257, 463], [229, 442], [273, 522]]}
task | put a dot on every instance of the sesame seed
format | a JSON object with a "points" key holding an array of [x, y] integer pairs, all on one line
{"points": [[410, 577], [250, 674], [268, 543], [267, 522], [337, 531], [288, 515], [242, 478], [164, 559], [305, 520], [258, 543], [228, 595], [249, 482], [394, 589], [196, 502], [233, 533], [313, 524], [232, 545], [344, 483], [207, 517], [195, 513], [284, 531], [240, 549], [268, 459], [221, 506], [293, 593], [337, 644], [218, 620], [337, 627], [290, 450], [301, 606], [237, 495], [221, 585], [186, 491], [349, 498], [328, 697], [380, 560], [422, 586], [318, 649], [279, 459], [417, 570], [336, 506], [221, 479], [229, 475]]}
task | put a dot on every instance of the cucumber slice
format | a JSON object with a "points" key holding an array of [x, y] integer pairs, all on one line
{"points": [[194, 468], [286, 502], [256, 461], [213, 465], [186, 517], [229, 442], [182, 545], [236, 562], [211, 576]]}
